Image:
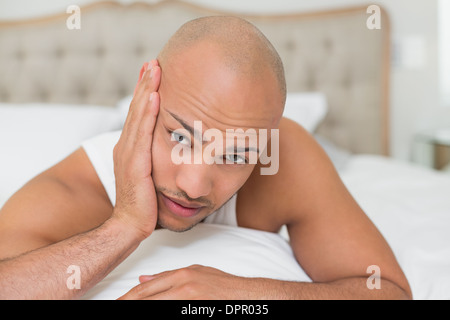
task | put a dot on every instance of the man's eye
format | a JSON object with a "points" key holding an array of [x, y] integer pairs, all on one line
{"points": [[235, 159], [175, 136]]}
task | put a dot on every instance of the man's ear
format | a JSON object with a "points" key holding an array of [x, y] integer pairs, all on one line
{"points": [[143, 69]]}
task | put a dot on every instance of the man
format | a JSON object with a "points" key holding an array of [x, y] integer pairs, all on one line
{"points": [[223, 72]]}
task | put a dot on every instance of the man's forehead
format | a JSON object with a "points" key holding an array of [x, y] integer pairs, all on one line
{"points": [[198, 127], [201, 75]]}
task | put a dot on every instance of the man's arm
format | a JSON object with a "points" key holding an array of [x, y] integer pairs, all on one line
{"points": [[63, 201], [40, 226], [44, 230], [44, 273], [332, 238]]}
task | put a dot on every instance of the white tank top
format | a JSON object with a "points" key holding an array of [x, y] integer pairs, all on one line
{"points": [[225, 215], [100, 152]]}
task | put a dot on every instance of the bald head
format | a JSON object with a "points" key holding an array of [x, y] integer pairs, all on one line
{"points": [[242, 48]]}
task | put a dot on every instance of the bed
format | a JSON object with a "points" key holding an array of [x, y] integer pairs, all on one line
{"points": [[59, 87]]}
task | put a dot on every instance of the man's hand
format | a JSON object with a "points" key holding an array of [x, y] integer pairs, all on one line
{"points": [[194, 282], [136, 203]]}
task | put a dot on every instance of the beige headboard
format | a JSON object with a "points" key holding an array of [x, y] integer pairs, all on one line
{"points": [[333, 52]]}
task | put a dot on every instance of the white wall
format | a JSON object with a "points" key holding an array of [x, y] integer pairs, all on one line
{"points": [[444, 50], [415, 97]]}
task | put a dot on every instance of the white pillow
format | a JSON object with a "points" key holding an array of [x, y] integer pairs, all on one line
{"points": [[35, 136], [239, 251], [308, 109]]}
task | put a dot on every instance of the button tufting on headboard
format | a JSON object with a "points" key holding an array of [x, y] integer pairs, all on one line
{"points": [[100, 52], [19, 55], [59, 53], [328, 45], [138, 50]]}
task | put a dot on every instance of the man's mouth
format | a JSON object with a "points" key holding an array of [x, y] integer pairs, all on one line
{"points": [[181, 208]]}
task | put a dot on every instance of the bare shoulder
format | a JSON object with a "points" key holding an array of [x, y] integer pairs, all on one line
{"points": [[62, 201], [302, 164]]}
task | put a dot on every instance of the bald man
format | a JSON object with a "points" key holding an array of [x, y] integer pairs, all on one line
{"points": [[223, 73]]}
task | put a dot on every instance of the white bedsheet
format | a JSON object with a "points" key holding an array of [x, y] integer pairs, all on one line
{"points": [[410, 205]]}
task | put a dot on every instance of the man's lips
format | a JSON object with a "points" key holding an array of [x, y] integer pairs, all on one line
{"points": [[180, 207], [185, 204]]}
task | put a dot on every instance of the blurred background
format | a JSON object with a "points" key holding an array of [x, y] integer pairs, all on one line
{"points": [[420, 62]]}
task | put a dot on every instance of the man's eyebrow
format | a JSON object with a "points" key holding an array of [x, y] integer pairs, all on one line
{"points": [[186, 126], [239, 150], [200, 134]]}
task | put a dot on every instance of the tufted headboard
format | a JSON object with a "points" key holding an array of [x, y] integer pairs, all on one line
{"points": [[333, 52]]}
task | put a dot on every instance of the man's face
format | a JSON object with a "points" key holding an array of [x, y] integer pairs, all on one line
{"points": [[197, 86]]}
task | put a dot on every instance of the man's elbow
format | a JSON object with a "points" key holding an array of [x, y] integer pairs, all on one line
{"points": [[393, 291]]}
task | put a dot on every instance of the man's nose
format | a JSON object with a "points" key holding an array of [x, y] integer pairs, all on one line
{"points": [[195, 179]]}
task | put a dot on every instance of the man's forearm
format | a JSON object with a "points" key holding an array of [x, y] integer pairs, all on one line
{"points": [[43, 273], [349, 288]]}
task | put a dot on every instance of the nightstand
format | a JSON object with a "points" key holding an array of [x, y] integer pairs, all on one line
{"points": [[432, 148]]}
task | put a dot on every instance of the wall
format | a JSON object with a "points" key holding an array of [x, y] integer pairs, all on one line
{"points": [[415, 100]]}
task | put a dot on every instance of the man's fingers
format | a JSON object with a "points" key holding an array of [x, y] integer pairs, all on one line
{"points": [[135, 96], [148, 85], [148, 289], [144, 137], [150, 80], [137, 133], [145, 67], [145, 278]]}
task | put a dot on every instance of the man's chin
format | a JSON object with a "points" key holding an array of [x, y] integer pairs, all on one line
{"points": [[176, 226]]}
